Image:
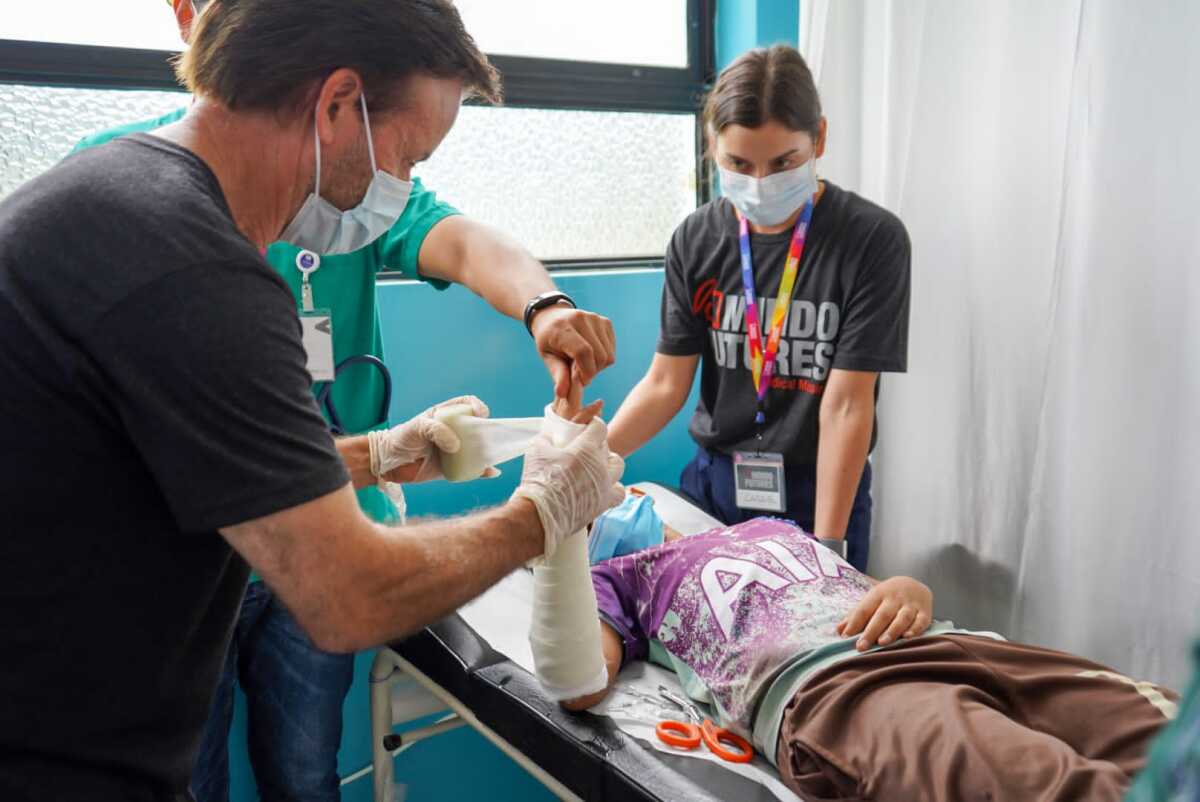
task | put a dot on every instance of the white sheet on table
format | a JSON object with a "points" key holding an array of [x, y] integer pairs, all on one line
{"points": [[501, 616], [645, 678]]}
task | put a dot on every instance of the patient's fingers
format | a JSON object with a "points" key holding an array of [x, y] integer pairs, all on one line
{"points": [[878, 623], [899, 625], [586, 414], [919, 625]]}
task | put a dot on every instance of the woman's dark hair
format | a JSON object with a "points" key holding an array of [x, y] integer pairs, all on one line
{"points": [[269, 55], [765, 84]]}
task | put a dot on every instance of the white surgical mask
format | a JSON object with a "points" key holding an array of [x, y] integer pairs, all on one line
{"points": [[772, 200], [321, 227]]}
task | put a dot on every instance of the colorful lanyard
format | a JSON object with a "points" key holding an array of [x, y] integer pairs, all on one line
{"points": [[763, 363]]}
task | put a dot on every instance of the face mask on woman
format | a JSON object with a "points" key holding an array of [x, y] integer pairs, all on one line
{"points": [[771, 200]]}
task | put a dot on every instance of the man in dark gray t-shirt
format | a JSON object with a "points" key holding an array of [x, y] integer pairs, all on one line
{"points": [[154, 368]]}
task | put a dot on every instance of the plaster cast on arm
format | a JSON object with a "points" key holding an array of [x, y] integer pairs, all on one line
{"points": [[565, 631]]}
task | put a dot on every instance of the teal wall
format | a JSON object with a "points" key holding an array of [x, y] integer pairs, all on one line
{"points": [[743, 24]]}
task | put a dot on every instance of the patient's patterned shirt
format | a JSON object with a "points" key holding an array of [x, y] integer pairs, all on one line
{"points": [[735, 606]]}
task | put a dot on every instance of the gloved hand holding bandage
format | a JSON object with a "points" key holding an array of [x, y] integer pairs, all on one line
{"points": [[421, 443], [483, 442], [565, 631]]}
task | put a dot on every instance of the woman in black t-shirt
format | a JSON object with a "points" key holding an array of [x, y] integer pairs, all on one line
{"points": [[786, 419]]}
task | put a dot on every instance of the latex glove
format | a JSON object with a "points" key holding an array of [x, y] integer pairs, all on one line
{"points": [[900, 607], [570, 486], [409, 452]]}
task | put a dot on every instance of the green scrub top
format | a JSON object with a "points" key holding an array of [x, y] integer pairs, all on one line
{"points": [[345, 284]]}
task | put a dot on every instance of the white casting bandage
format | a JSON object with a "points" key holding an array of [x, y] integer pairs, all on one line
{"points": [[565, 632], [485, 441]]}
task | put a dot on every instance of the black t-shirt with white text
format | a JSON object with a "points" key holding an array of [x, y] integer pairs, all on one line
{"points": [[849, 311], [154, 391]]}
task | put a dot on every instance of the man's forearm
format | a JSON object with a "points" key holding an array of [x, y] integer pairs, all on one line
{"points": [[361, 584], [486, 261], [508, 290], [427, 571], [573, 343], [841, 455]]}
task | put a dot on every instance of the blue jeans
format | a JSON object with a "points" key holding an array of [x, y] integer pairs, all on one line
{"points": [[294, 694], [708, 481]]}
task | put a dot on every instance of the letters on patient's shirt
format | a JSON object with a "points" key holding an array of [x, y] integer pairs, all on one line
{"points": [[735, 605]]}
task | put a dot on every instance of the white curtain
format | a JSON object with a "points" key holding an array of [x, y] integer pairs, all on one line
{"points": [[1039, 465]]}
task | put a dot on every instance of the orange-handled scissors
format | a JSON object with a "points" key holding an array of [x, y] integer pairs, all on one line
{"points": [[689, 734]]}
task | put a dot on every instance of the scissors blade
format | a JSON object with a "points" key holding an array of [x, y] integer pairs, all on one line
{"points": [[683, 704]]}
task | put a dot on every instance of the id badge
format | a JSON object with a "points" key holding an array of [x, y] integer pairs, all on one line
{"points": [[318, 343], [758, 481]]}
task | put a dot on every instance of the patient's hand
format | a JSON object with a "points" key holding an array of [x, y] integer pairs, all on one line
{"points": [[900, 607]]}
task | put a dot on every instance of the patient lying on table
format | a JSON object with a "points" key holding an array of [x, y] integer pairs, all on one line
{"points": [[850, 686]]}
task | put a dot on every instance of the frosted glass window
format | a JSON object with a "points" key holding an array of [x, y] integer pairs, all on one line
{"points": [[567, 184], [146, 24], [616, 31], [570, 184], [39, 125]]}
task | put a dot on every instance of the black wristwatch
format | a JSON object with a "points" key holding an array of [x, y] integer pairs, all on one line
{"points": [[539, 302]]}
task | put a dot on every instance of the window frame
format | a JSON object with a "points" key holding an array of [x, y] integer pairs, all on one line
{"points": [[528, 83]]}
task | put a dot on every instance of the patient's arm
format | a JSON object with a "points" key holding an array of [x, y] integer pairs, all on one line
{"points": [[610, 644]]}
